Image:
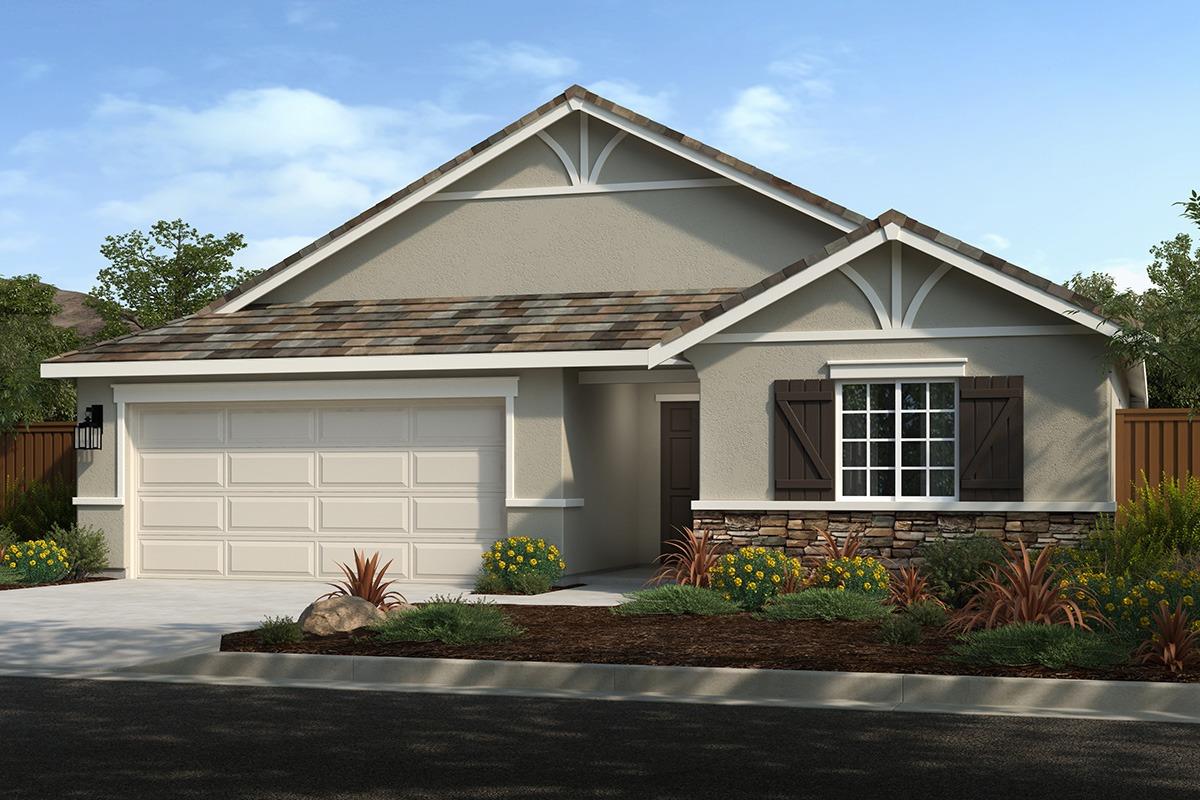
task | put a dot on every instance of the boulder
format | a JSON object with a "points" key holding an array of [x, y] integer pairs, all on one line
{"points": [[338, 615]]}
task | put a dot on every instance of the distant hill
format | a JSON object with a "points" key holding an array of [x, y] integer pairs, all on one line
{"points": [[76, 314]]}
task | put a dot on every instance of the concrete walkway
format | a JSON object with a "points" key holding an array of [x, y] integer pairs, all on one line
{"points": [[96, 627]]}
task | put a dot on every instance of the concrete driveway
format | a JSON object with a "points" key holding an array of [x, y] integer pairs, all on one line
{"points": [[95, 627]]}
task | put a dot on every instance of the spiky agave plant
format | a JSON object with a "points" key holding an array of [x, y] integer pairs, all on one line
{"points": [[365, 580], [1022, 589], [694, 555], [1174, 642]]}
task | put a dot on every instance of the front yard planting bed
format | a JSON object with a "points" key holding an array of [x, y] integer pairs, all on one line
{"points": [[598, 636]]}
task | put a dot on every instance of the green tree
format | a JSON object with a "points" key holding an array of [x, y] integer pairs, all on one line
{"points": [[1160, 326], [168, 273], [27, 337]]}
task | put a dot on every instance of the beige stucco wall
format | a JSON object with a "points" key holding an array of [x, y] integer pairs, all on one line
{"points": [[682, 239], [831, 303], [962, 300], [1066, 406]]}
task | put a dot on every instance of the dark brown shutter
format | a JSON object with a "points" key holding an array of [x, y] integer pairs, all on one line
{"points": [[802, 440], [991, 438]]}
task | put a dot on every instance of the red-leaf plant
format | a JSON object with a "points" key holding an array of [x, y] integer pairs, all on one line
{"points": [[834, 551], [366, 581], [695, 554], [909, 586], [1022, 589], [1174, 642]]}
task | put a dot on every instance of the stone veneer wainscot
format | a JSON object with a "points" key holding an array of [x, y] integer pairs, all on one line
{"points": [[894, 536]]}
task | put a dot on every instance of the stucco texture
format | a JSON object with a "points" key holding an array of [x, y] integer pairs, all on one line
{"points": [[1066, 406]]}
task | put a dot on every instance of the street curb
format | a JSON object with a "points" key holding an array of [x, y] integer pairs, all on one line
{"points": [[1135, 700]]}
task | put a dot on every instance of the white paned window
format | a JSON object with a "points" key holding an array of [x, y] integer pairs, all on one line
{"points": [[897, 440]]}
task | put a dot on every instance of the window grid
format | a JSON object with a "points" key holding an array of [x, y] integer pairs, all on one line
{"points": [[871, 473]]}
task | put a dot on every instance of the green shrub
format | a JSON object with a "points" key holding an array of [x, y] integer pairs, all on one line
{"points": [[676, 599], [927, 613], [490, 583], [1053, 646], [35, 562], [854, 574], [825, 604], [524, 565], [752, 575], [448, 620], [1157, 527], [31, 510], [953, 564], [279, 630], [900, 629], [88, 548], [1129, 604]]}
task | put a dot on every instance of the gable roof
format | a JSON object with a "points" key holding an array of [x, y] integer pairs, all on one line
{"points": [[575, 98], [890, 225], [436, 326]]}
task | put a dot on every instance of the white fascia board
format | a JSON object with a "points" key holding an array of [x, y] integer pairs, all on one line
{"points": [[386, 216], [672, 146], [272, 391], [334, 364], [898, 368], [1139, 386], [660, 353], [1105, 506], [1018, 287], [900, 334]]}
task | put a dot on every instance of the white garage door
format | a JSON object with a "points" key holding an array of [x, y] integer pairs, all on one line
{"points": [[288, 490]]}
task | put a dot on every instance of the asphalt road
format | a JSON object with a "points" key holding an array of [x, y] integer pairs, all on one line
{"points": [[88, 739]]}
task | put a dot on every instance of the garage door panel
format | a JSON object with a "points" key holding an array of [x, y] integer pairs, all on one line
{"points": [[333, 554], [475, 424], [181, 513], [284, 559], [271, 513], [272, 427], [441, 560], [271, 469], [171, 428], [365, 469], [376, 427], [364, 514], [198, 470], [178, 557], [466, 514], [459, 468]]}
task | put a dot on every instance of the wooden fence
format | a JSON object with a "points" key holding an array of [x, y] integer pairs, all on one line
{"points": [[44, 451], [1154, 441]]}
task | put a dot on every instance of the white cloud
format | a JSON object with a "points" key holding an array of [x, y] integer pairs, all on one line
{"points": [[484, 59], [654, 105], [308, 15], [263, 253], [808, 73], [13, 182], [29, 69], [758, 122], [994, 241], [1128, 273]]}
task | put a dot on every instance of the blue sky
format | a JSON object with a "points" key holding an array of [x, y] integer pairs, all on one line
{"points": [[1054, 134]]}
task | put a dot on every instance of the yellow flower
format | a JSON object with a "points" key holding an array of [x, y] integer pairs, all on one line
{"points": [[752, 586], [737, 581], [759, 574], [520, 559], [533, 562], [774, 579], [562, 565], [867, 585]]}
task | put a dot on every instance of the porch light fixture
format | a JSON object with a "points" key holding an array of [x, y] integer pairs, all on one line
{"points": [[89, 433]]}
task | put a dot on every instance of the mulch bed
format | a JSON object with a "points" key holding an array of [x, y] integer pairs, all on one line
{"points": [[597, 636], [94, 579]]}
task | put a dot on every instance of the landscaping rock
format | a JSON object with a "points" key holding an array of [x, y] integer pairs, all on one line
{"points": [[338, 615]]}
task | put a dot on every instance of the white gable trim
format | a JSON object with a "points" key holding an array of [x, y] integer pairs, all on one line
{"points": [[839, 259], [534, 128]]}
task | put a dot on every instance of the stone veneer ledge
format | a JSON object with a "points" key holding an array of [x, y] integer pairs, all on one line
{"points": [[895, 536]]}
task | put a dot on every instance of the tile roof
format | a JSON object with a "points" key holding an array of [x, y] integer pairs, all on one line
{"points": [[572, 92], [577, 321], [888, 217]]}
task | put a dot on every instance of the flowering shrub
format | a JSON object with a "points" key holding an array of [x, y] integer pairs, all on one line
{"points": [[857, 574], [521, 564], [1130, 604], [38, 561], [753, 574]]}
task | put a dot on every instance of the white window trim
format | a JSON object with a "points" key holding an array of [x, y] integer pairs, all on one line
{"points": [[898, 499], [313, 391], [898, 369]]}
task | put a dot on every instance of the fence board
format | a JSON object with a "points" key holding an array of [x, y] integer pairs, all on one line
{"points": [[43, 451], [1153, 442]]}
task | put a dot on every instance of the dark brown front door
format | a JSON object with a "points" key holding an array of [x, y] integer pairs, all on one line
{"points": [[680, 453]]}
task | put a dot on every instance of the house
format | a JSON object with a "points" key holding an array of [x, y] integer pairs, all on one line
{"points": [[592, 328]]}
